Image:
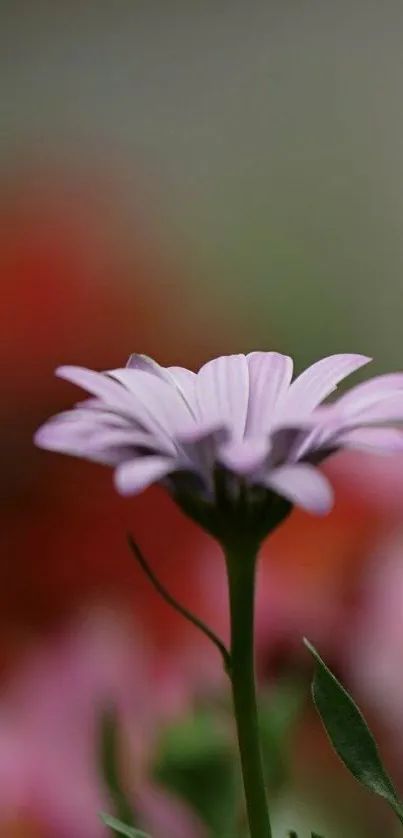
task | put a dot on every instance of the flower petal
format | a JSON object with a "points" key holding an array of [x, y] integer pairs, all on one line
{"points": [[375, 388], [246, 456], [150, 401], [80, 434], [156, 402], [380, 410], [76, 440], [378, 440], [145, 363], [117, 398], [270, 374], [98, 384], [201, 432], [222, 391], [136, 475], [319, 380], [184, 380], [200, 444], [304, 485]]}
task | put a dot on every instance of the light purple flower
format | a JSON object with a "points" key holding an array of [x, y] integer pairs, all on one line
{"points": [[240, 428]]}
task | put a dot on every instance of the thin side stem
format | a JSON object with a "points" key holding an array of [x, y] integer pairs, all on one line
{"points": [[241, 576], [196, 621]]}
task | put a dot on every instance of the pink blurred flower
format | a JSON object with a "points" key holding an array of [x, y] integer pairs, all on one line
{"points": [[49, 734], [374, 653]]}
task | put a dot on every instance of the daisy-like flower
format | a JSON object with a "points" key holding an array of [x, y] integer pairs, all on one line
{"points": [[234, 441]]}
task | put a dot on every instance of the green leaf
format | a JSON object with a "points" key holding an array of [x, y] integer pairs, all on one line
{"points": [[350, 734], [122, 828], [109, 767], [293, 834]]}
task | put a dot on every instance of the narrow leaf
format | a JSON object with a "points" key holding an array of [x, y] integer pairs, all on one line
{"points": [[122, 828], [349, 733], [109, 766]]}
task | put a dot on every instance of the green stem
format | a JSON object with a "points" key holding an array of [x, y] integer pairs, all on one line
{"points": [[191, 618], [241, 568]]}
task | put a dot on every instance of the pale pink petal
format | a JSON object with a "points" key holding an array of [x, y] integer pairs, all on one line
{"points": [[380, 386], [145, 363], [184, 380], [131, 438], [270, 374], [135, 475], [157, 403], [75, 437], [97, 410], [200, 445], [319, 380], [246, 456], [203, 431], [152, 403], [222, 391], [79, 434], [304, 485], [319, 438], [374, 410], [98, 384], [386, 408], [381, 440]]}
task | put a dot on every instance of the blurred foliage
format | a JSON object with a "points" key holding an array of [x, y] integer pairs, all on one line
{"points": [[121, 828], [197, 757], [196, 760]]}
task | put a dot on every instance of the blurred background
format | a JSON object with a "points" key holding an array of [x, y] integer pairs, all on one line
{"points": [[183, 180]]}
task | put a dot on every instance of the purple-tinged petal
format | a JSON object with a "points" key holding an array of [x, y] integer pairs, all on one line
{"points": [[319, 438], [270, 374], [91, 404], [377, 440], [200, 445], [131, 438], [155, 403], [319, 380], [94, 412], [373, 406], [222, 391], [144, 363], [245, 457], [97, 383], [135, 475], [388, 408], [375, 388], [77, 440], [204, 430], [183, 380], [150, 401], [304, 485], [55, 434], [115, 397]]}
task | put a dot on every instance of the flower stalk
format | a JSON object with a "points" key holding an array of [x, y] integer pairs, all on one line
{"points": [[241, 570]]}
